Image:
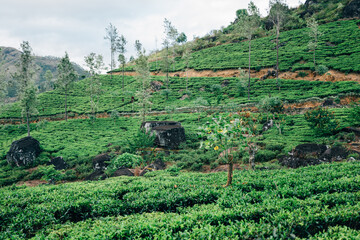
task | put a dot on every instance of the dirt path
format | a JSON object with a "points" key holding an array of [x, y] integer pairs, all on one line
{"points": [[330, 76]]}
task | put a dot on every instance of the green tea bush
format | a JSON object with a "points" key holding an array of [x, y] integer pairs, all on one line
{"points": [[265, 155], [126, 160], [302, 74], [271, 105], [355, 114], [322, 69], [322, 121], [49, 173]]}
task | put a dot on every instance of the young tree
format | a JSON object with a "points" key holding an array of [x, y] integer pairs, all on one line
{"points": [[96, 65], [122, 58], [66, 77], [24, 77], [143, 75], [314, 34], [277, 16], [247, 25], [171, 35], [116, 43]]}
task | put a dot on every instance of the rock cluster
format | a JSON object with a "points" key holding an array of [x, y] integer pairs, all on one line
{"points": [[313, 154]]}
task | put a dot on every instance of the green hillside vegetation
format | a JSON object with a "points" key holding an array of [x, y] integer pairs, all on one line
{"points": [[113, 97], [188, 200], [338, 49], [312, 202]]}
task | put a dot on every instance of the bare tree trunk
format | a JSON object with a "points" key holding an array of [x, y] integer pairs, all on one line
{"points": [[66, 115], [123, 73], [28, 123], [230, 173], [277, 57], [249, 68]]}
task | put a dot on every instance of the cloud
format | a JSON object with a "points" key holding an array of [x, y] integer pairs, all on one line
{"points": [[78, 26]]}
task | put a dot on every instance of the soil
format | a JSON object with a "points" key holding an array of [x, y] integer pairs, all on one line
{"points": [[31, 183], [330, 76]]}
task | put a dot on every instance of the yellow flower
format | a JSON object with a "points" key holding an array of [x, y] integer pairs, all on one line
{"points": [[216, 148]]}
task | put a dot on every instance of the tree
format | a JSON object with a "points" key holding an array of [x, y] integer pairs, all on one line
{"points": [[171, 35], [122, 58], [3, 87], [231, 136], [278, 16], [314, 34], [96, 65], [48, 84], [116, 43], [66, 77], [143, 75], [24, 77], [247, 25]]}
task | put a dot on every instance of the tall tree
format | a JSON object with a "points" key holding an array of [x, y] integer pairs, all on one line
{"points": [[117, 43], [96, 65], [122, 58], [171, 35], [247, 25], [66, 77], [314, 35], [25, 78], [278, 16], [143, 75]]}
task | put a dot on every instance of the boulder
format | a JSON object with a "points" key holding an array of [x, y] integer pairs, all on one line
{"points": [[23, 152], [269, 124], [309, 150], [122, 172], [156, 85], [100, 162], [95, 176], [59, 163], [328, 102], [169, 134], [336, 153], [158, 164]]}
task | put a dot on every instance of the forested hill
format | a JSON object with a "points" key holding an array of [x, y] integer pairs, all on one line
{"points": [[9, 57]]}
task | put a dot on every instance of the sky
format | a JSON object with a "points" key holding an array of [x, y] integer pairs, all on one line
{"points": [[78, 26]]}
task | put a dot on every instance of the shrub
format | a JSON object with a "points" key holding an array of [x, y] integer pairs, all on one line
{"points": [[264, 156], [322, 121], [140, 140], [355, 114], [126, 160], [49, 173], [272, 105], [302, 74], [321, 69]]}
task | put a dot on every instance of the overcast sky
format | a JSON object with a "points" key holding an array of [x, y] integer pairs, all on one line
{"points": [[78, 26]]}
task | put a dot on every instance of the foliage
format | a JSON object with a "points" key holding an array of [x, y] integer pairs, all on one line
{"points": [[49, 173], [271, 105], [140, 140], [126, 160], [355, 113], [322, 121], [322, 69], [305, 203]]}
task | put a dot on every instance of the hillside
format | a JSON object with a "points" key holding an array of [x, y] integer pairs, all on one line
{"points": [[293, 145], [9, 58]]}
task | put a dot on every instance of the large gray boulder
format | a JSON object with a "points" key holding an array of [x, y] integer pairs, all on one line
{"points": [[101, 162], [23, 152], [169, 134]]}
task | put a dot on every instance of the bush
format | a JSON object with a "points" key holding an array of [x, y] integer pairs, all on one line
{"points": [[264, 156], [355, 114], [49, 173], [321, 69], [302, 74], [322, 121], [126, 160], [272, 105], [140, 140]]}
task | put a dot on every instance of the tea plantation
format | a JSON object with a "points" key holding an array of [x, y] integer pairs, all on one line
{"points": [[268, 199]]}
